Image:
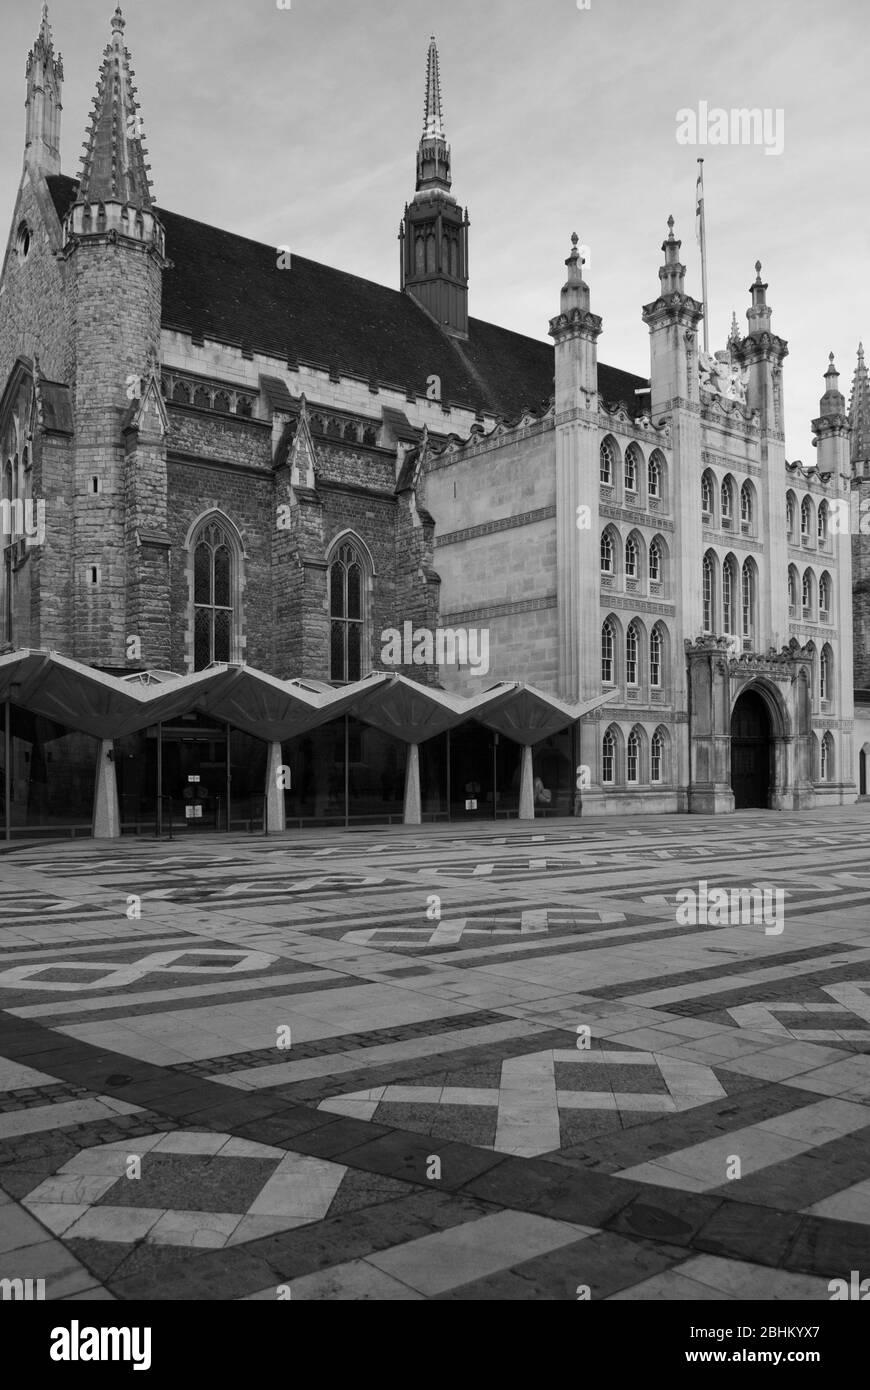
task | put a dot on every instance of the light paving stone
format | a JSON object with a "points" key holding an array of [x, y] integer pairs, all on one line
{"points": [[741, 1280], [850, 1204], [472, 1251], [207, 1230], [62, 1115], [122, 1224]]}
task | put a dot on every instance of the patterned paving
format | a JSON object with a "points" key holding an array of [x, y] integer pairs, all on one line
{"points": [[398, 1064]]}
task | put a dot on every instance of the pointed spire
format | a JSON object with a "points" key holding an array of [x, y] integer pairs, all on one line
{"points": [[433, 120], [42, 104], [575, 292], [734, 334], [672, 274], [859, 411], [113, 165], [758, 314], [433, 156]]}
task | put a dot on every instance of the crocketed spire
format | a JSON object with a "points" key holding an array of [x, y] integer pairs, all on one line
{"points": [[113, 165]]}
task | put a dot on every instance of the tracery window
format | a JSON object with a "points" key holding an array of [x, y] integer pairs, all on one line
{"points": [[214, 590], [347, 600]]}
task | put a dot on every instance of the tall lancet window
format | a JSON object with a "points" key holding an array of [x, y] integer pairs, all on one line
{"points": [[214, 587], [347, 609]]}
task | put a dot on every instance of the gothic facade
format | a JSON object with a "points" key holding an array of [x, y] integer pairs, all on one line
{"points": [[223, 461]]}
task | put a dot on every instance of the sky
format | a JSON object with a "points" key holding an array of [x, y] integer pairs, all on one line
{"points": [[299, 127]]}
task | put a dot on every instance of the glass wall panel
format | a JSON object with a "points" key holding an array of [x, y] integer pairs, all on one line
{"points": [[376, 774], [248, 760], [136, 771], [509, 765], [555, 773], [433, 778], [53, 773], [471, 773], [316, 763], [3, 769]]}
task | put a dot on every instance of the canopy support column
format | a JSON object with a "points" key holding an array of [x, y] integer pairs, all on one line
{"points": [[276, 823], [413, 803], [527, 785], [107, 809]]}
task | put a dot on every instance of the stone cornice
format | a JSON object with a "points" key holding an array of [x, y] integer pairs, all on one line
{"points": [[576, 323], [634, 517], [635, 604], [681, 308]]}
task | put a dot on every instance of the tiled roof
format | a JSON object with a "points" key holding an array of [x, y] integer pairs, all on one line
{"points": [[228, 287]]}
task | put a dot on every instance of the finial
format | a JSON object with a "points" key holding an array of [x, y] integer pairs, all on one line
{"points": [[118, 21], [860, 352], [671, 225], [575, 254], [758, 272]]}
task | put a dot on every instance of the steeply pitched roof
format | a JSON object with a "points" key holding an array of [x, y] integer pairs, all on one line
{"points": [[228, 287]]}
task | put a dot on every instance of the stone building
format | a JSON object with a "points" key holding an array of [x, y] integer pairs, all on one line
{"points": [[282, 543]]}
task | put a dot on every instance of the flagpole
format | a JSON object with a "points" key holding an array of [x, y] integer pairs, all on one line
{"points": [[702, 236]]}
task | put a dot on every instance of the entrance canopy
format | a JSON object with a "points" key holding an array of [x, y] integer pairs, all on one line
{"points": [[107, 706]]}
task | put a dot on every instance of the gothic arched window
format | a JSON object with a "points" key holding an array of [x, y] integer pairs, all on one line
{"points": [[606, 461], [347, 612], [607, 651], [632, 646], [631, 558], [748, 597], [707, 495], [707, 593], [657, 757], [214, 596], [655, 561], [729, 583], [608, 757], [631, 458], [606, 553], [655, 657], [632, 759]]}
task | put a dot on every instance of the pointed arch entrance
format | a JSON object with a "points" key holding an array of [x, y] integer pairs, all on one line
{"points": [[751, 751]]}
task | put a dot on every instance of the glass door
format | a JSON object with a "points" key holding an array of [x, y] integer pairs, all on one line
{"points": [[195, 775]]}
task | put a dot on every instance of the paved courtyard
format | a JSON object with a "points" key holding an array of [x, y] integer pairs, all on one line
{"points": [[469, 1062]]}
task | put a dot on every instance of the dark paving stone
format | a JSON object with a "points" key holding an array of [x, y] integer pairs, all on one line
{"points": [[356, 1234], [408, 1156], [359, 1190], [666, 1215], [647, 1141], [549, 1189], [604, 1263], [578, 1126], [830, 1248], [598, 1076], [102, 1257], [281, 1128], [740, 1232], [342, 1136], [214, 1275], [192, 1182]]}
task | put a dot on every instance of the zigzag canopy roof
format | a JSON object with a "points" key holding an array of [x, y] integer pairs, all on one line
{"points": [[93, 702]]}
